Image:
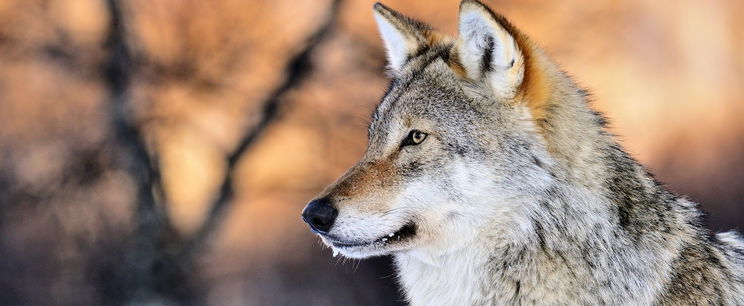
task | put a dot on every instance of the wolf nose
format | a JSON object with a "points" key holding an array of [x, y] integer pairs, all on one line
{"points": [[320, 214]]}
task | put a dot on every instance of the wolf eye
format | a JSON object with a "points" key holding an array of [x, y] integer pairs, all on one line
{"points": [[414, 137]]}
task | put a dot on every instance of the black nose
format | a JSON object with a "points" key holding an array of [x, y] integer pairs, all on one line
{"points": [[320, 214]]}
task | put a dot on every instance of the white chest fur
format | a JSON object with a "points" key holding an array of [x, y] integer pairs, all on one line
{"points": [[450, 279]]}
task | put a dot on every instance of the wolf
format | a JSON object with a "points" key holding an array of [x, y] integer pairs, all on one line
{"points": [[491, 181]]}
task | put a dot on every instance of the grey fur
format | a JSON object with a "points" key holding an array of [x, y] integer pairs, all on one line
{"points": [[573, 220]]}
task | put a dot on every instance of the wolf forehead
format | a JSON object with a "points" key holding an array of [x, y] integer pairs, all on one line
{"points": [[428, 89]]}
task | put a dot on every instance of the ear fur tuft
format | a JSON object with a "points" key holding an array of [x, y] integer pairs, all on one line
{"points": [[401, 35], [488, 50]]}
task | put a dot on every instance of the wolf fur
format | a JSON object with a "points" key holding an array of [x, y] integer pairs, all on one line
{"points": [[518, 194]]}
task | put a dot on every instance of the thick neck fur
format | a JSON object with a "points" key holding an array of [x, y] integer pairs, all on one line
{"points": [[604, 231]]}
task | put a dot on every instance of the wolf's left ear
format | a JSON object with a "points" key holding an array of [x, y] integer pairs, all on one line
{"points": [[487, 50], [402, 36]]}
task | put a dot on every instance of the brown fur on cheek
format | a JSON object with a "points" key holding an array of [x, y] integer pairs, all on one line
{"points": [[369, 185]]}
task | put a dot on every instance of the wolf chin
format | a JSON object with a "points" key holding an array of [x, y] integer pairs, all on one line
{"points": [[491, 181]]}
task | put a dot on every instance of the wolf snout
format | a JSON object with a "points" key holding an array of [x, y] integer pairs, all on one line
{"points": [[320, 215]]}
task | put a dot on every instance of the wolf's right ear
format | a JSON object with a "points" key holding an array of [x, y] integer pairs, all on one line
{"points": [[487, 50], [402, 36]]}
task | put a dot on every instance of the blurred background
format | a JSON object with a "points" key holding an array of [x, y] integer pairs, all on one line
{"points": [[160, 152]]}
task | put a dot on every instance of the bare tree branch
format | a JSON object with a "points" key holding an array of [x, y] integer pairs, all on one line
{"points": [[137, 275], [118, 73], [151, 270], [296, 71]]}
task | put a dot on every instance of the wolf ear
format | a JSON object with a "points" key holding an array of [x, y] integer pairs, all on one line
{"points": [[402, 36], [487, 50]]}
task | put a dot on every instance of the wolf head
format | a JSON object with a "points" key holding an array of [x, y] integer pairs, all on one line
{"points": [[455, 144]]}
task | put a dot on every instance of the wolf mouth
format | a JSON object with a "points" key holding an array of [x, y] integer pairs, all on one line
{"points": [[402, 234]]}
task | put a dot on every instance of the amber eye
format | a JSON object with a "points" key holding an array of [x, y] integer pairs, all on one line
{"points": [[414, 137]]}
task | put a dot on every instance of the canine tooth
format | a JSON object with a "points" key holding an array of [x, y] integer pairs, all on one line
{"points": [[335, 252], [391, 234], [384, 239]]}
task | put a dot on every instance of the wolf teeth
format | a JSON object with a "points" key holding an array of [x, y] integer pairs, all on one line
{"points": [[391, 234]]}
